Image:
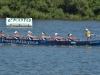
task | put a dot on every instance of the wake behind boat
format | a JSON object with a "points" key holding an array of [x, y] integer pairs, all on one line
{"points": [[48, 42]]}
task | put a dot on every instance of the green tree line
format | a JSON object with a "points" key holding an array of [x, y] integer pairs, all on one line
{"points": [[51, 9]]}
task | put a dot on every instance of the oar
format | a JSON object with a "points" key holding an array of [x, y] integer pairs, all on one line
{"points": [[95, 35]]}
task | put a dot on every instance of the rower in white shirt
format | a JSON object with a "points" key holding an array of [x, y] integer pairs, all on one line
{"points": [[45, 37], [17, 36], [58, 38], [31, 37], [3, 35]]}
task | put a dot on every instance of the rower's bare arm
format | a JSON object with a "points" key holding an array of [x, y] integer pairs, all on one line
{"points": [[20, 36], [35, 36], [60, 37], [48, 36]]}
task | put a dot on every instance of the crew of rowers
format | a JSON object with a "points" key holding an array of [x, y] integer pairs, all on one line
{"points": [[31, 37], [44, 37]]}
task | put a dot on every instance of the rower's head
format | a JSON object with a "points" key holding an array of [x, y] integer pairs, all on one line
{"points": [[2, 32], [29, 32], [43, 33], [86, 29], [70, 34], [15, 32], [56, 34]]}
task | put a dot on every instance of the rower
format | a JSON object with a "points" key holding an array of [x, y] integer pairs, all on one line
{"points": [[31, 37], [70, 38], [88, 34], [58, 38], [44, 37], [3, 35], [17, 36]]}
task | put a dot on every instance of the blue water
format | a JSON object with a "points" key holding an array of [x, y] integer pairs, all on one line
{"points": [[51, 60]]}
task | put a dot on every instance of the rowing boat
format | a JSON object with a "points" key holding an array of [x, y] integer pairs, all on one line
{"points": [[49, 42]]}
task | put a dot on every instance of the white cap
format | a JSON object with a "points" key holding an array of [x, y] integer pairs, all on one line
{"points": [[43, 33], [15, 32], [70, 34], [86, 29], [56, 33], [29, 32]]}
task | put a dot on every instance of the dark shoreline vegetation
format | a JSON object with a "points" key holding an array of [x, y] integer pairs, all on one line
{"points": [[51, 9]]}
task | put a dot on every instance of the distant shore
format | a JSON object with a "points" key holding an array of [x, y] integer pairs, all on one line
{"points": [[51, 9]]}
